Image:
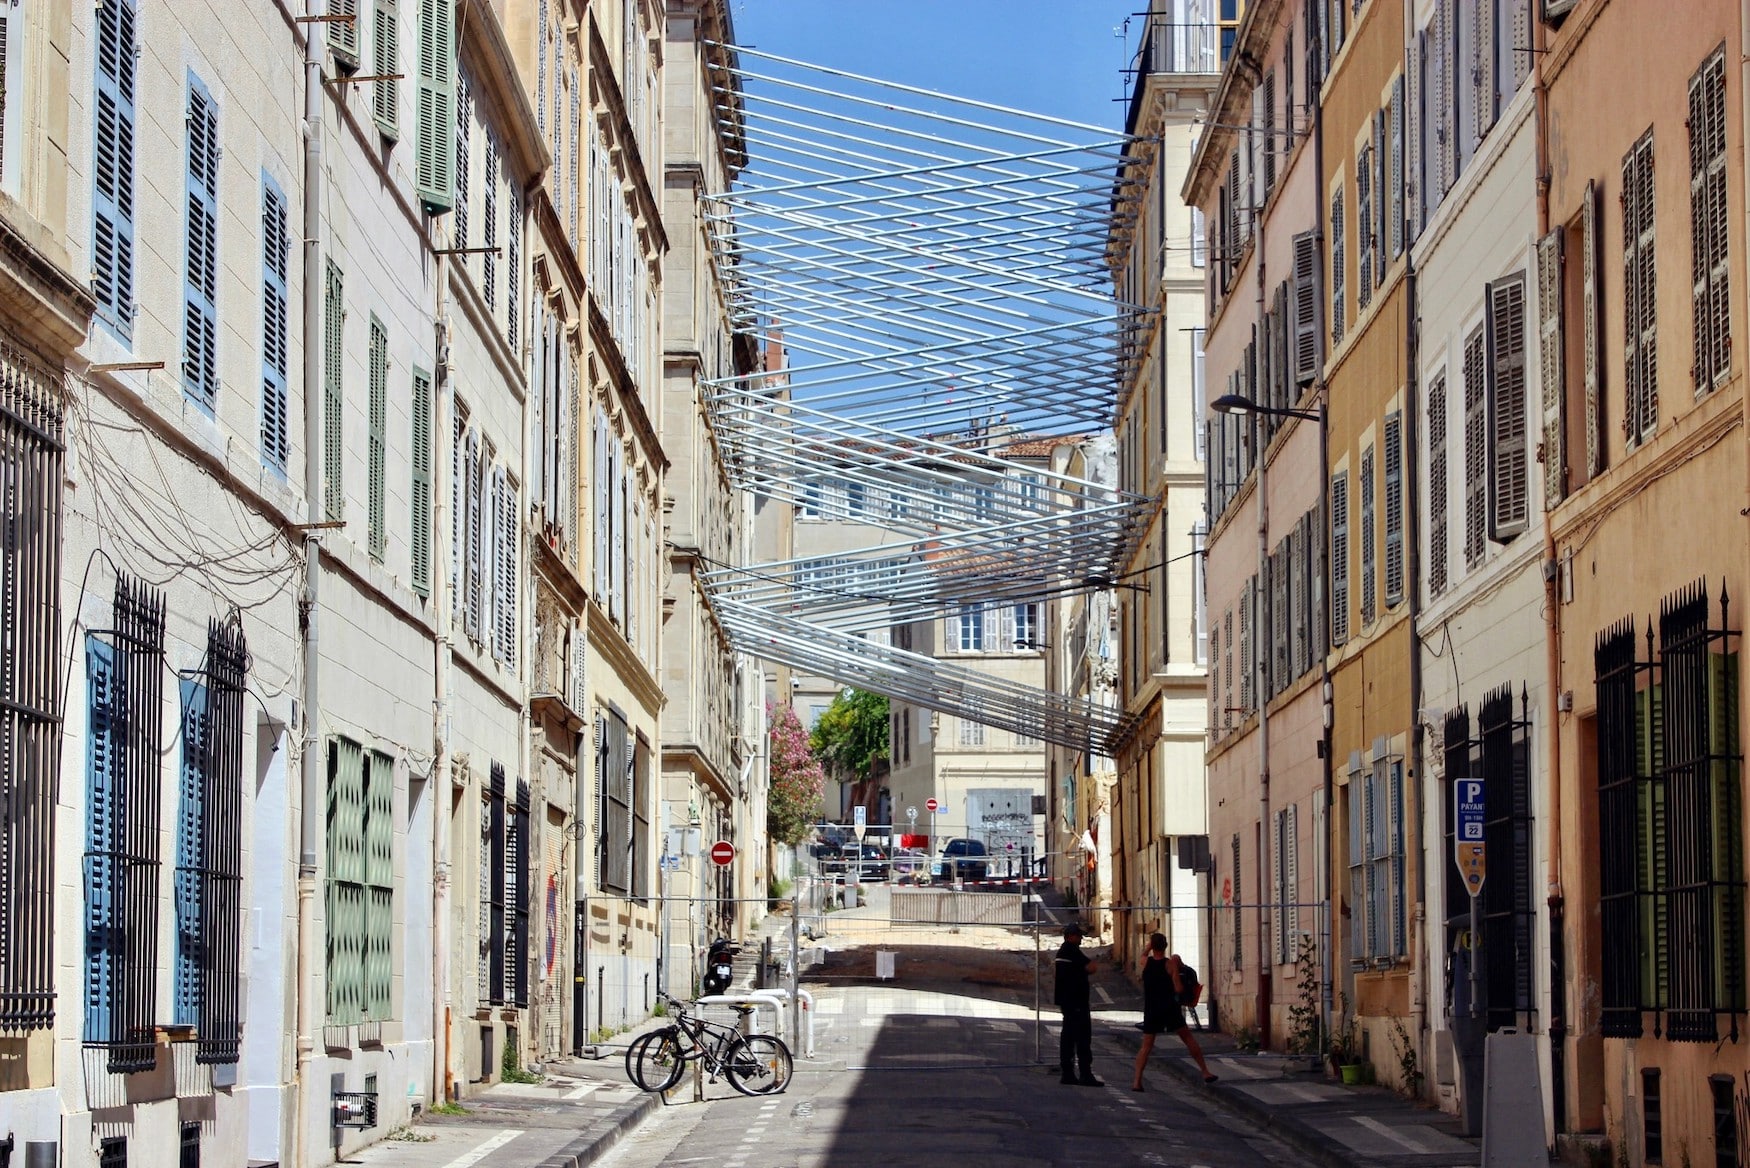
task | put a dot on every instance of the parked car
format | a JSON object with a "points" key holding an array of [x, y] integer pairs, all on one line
{"points": [[871, 865], [962, 859]]}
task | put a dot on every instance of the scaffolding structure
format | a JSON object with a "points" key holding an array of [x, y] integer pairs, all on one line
{"points": [[936, 270]]}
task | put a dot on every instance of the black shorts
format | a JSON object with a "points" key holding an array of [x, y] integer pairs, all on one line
{"points": [[1170, 1020]]}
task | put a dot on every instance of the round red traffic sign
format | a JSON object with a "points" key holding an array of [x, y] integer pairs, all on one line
{"points": [[932, 805], [722, 852]]}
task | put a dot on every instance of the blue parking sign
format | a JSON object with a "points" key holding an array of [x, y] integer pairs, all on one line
{"points": [[1467, 795]]}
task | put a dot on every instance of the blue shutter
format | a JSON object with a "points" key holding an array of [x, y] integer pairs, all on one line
{"points": [[102, 833], [275, 301], [200, 289], [190, 816], [112, 226]]}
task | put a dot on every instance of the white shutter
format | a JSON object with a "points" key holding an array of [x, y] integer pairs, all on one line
{"points": [[1338, 266], [1509, 486], [1278, 865], [617, 566], [1589, 296], [1483, 66], [579, 671], [1549, 372], [471, 577], [599, 518], [1395, 171], [1438, 522], [1291, 883]]}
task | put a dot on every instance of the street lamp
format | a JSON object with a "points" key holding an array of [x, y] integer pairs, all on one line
{"points": [[1234, 403]]}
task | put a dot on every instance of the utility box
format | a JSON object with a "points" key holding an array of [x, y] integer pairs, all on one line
{"points": [[884, 963]]}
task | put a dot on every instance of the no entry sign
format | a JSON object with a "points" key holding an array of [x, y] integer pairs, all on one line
{"points": [[722, 852], [932, 805]]}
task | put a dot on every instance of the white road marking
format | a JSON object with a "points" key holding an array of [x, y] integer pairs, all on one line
{"points": [[579, 1091], [1391, 1133], [480, 1153]]}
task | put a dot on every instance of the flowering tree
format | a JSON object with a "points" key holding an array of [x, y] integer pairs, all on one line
{"points": [[797, 779]]}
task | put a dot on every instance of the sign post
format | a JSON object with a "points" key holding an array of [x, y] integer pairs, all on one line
{"points": [[1470, 853], [859, 824]]}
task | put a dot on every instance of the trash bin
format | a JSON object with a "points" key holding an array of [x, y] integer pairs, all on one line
{"points": [[884, 959]]}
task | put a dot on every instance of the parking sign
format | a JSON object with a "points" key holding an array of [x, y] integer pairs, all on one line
{"points": [[1468, 849]]}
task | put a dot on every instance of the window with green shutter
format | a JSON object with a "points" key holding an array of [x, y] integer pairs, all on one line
{"points": [[379, 536], [200, 290], [343, 35], [333, 320], [421, 490], [360, 883], [112, 212], [435, 86]]}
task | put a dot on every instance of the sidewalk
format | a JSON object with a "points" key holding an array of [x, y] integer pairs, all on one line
{"points": [[1344, 1127]]}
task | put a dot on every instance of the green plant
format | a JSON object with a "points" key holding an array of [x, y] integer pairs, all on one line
{"points": [[511, 1070], [1246, 1038], [1344, 1047], [1070, 899], [778, 889], [1409, 1069], [446, 1108], [1305, 1033]]}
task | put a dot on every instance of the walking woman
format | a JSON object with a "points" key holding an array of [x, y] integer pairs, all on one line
{"points": [[1165, 982]]}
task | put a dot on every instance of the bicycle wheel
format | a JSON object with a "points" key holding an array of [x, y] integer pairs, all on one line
{"points": [[758, 1065], [654, 1061]]}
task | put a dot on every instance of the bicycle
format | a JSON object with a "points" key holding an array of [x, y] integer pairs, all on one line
{"points": [[754, 1064]]}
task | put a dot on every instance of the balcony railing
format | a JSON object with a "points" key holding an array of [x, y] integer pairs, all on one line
{"points": [[1171, 47]]}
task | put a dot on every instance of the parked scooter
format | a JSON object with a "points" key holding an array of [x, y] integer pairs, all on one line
{"points": [[719, 970]]}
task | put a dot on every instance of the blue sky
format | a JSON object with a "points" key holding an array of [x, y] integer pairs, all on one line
{"points": [[1057, 57]]}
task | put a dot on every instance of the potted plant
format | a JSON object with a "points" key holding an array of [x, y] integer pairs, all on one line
{"points": [[1344, 1051]]}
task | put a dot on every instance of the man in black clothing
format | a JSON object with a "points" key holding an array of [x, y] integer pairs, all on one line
{"points": [[1076, 1047]]}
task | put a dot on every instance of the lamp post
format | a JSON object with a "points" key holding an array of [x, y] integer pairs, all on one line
{"points": [[1233, 403]]}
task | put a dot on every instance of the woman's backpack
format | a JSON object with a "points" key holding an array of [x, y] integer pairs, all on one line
{"points": [[1193, 991]]}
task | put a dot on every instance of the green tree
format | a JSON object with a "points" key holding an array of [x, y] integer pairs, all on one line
{"points": [[851, 735], [797, 780]]}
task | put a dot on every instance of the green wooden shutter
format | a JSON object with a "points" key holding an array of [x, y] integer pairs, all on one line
{"points": [[343, 35], [379, 880], [386, 62], [436, 90], [333, 320], [421, 523], [345, 885], [379, 537]]}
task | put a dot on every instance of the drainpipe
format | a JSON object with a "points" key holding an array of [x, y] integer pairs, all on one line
{"points": [[1413, 592], [310, 818], [1552, 607], [1260, 649], [443, 616]]}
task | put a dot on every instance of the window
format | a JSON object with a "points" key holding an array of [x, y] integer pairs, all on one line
{"points": [[494, 845], [420, 493], [386, 62], [1248, 659], [1306, 352], [489, 213], [276, 242], [438, 162], [1394, 185], [112, 220], [971, 733], [124, 666], [1376, 860], [31, 698], [1267, 98], [1708, 217], [1199, 238], [200, 289], [1199, 589], [1026, 627], [376, 450], [1394, 508], [505, 536], [1339, 265], [1239, 952], [1369, 536], [333, 322], [462, 158], [1437, 472], [477, 520], [971, 629], [1640, 363], [613, 804], [1340, 558], [1476, 459], [1509, 473], [517, 845], [1670, 836], [209, 848], [1500, 755], [1652, 1122], [360, 884]]}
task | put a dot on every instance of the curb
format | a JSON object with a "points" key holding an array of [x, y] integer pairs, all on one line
{"points": [[589, 1148], [1283, 1128]]}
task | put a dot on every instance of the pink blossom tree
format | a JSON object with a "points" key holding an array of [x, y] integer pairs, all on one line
{"points": [[797, 778]]}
